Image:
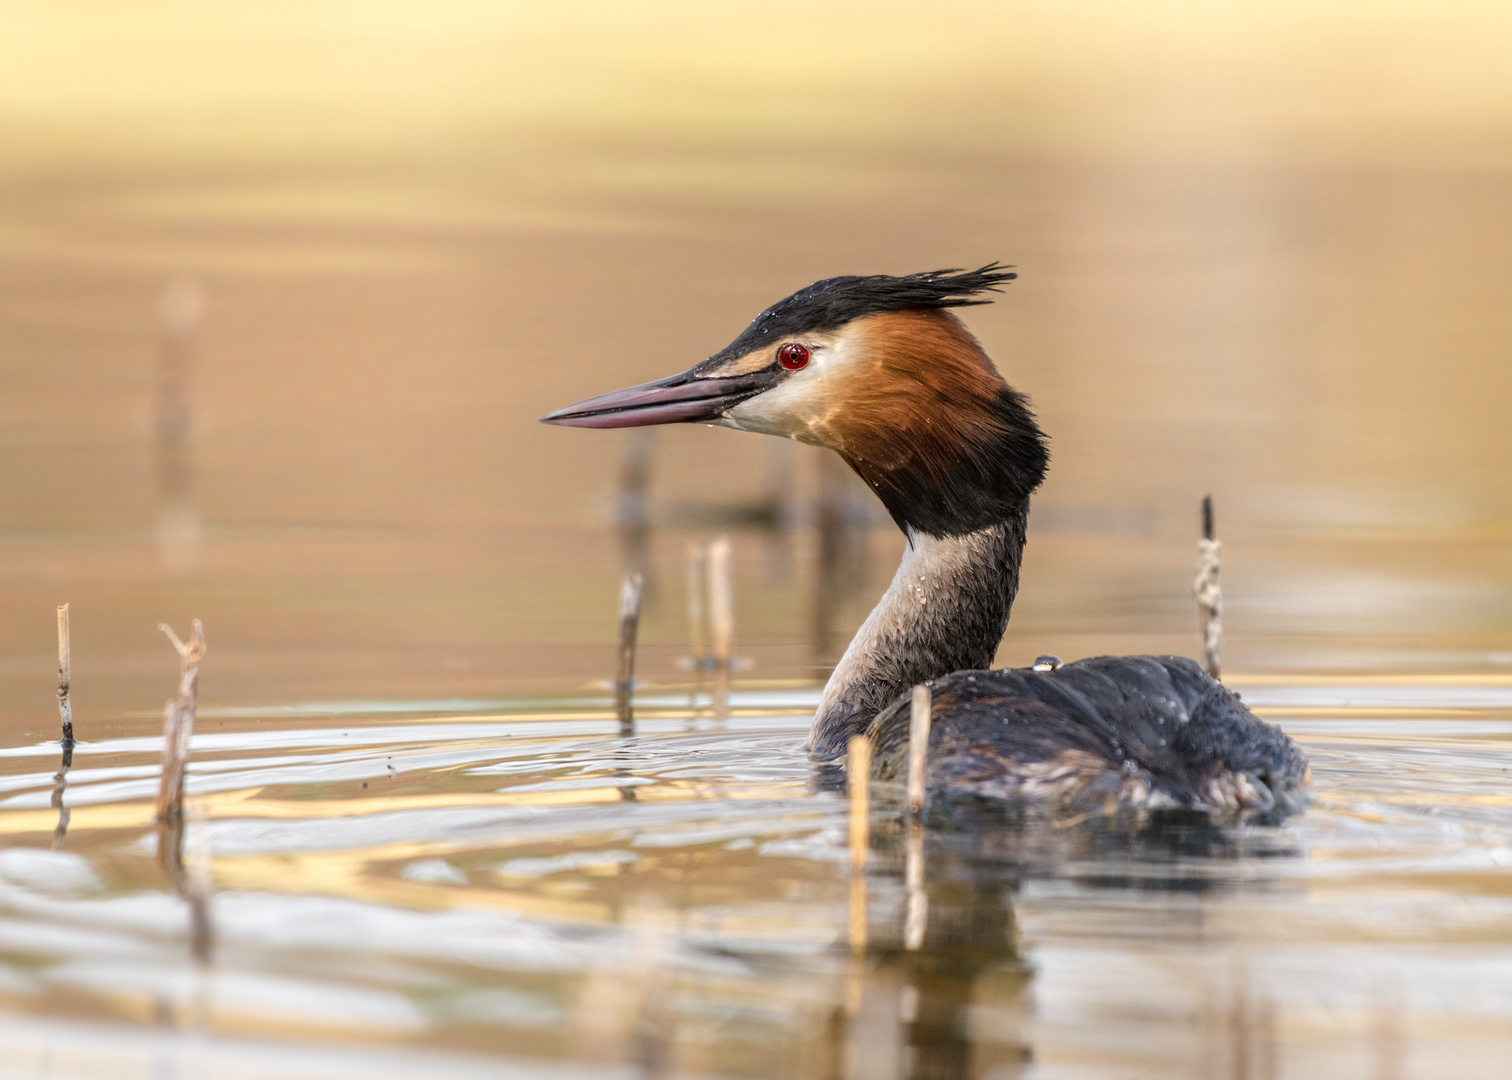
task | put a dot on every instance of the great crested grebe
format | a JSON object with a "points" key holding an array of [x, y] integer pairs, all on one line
{"points": [[878, 370]]}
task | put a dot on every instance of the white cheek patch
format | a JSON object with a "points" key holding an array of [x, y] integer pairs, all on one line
{"points": [[775, 412], [807, 404]]}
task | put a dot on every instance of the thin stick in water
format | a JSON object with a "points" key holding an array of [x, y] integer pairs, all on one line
{"points": [[630, 605], [1208, 591], [917, 911], [191, 882], [178, 724], [65, 657], [921, 710], [858, 778]]}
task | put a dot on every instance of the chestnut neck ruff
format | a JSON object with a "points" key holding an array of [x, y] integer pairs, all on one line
{"points": [[947, 445]]}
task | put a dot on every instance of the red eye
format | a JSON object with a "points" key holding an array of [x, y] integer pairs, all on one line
{"points": [[793, 356]]}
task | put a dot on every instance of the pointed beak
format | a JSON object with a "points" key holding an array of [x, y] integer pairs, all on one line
{"points": [[682, 399]]}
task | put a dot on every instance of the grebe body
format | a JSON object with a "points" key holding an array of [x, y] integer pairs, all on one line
{"points": [[1150, 732], [880, 370]]}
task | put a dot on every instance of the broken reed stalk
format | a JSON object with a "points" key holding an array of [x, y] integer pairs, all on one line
{"points": [[65, 714], [1208, 591], [191, 883], [921, 710], [916, 914], [630, 605], [65, 657], [857, 782], [178, 725]]}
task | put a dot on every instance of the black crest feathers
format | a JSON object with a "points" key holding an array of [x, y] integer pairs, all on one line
{"points": [[833, 302]]}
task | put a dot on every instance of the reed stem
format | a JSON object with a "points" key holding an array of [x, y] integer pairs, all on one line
{"points": [[65, 662], [921, 711], [858, 784], [191, 885], [630, 605], [916, 915], [178, 725], [1208, 591]]}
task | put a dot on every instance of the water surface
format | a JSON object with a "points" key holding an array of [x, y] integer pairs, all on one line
{"points": [[525, 890]]}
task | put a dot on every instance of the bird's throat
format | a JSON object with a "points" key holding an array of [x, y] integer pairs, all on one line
{"points": [[946, 610]]}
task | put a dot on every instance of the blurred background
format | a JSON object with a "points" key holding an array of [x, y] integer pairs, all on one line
{"points": [[285, 286]]}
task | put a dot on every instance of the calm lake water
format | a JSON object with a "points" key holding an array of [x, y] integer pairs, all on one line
{"points": [[282, 293], [523, 892]]}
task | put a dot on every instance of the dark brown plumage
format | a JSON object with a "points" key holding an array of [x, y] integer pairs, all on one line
{"points": [[1150, 732]]}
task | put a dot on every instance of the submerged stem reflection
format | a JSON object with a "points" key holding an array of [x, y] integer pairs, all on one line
{"points": [[60, 785]]}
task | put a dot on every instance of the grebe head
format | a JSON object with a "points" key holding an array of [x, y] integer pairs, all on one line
{"points": [[877, 369]]}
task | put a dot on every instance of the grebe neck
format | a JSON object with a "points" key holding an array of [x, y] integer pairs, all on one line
{"points": [[946, 610]]}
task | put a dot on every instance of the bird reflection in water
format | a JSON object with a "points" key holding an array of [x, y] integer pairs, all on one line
{"points": [[957, 1006], [908, 1012]]}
